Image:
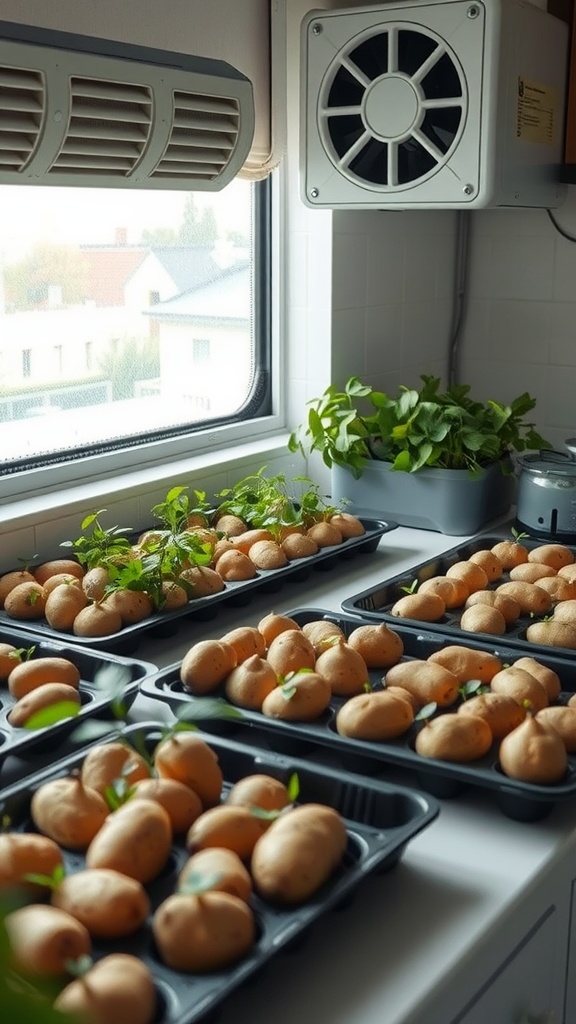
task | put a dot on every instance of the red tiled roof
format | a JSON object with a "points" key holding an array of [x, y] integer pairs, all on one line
{"points": [[108, 270]]}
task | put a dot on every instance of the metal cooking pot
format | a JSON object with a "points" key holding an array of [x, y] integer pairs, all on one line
{"points": [[546, 502]]}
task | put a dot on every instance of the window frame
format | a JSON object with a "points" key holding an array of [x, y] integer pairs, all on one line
{"points": [[259, 418]]}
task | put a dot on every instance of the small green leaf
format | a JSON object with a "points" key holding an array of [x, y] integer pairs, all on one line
{"points": [[426, 712], [53, 714], [293, 787]]}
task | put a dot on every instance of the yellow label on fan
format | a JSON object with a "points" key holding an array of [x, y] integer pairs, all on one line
{"points": [[536, 112]]}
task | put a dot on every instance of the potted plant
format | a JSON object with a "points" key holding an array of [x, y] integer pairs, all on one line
{"points": [[429, 458]]}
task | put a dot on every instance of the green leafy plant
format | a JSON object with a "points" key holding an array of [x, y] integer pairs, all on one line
{"points": [[421, 428]]}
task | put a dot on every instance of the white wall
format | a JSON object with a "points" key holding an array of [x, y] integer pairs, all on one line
{"points": [[370, 293]]}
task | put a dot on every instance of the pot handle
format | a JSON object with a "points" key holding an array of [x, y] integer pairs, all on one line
{"points": [[548, 455]]}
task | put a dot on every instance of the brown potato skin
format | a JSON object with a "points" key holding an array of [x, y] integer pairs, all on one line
{"points": [[205, 665], [224, 867], [119, 987], [233, 827], [248, 685], [425, 680], [29, 674], [521, 685], [309, 696], [467, 663], [135, 840], [188, 758], [530, 596], [481, 618], [344, 668], [68, 812], [298, 853], [379, 715], [259, 790], [45, 570], [26, 601], [454, 737], [105, 763], [533, 752], [424, 606], [501, 712], [44, 938], [180, 802], [379, 645], [196, 934], [109, 904], [42, 697], [563, 719], [24, 853]]}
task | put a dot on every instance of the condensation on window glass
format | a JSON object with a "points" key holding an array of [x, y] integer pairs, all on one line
{"points": [[121, 313]]}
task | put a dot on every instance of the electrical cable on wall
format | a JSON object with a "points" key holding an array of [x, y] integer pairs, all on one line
{"points": [[561, 231], [461, 270]]}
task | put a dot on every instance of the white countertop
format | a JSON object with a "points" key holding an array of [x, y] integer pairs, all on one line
{"points": [[398, 953], [394, 955]]}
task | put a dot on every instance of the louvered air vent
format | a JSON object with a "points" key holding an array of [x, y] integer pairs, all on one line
{"points": [[72, 112]]}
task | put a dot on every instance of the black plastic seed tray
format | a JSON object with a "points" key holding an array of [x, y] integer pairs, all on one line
{"points": [[518, 800], [236, 594], [376, 602], [99, 672], [381, 820]]}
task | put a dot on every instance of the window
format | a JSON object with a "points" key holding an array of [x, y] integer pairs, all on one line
{"points": [[114, 293]]}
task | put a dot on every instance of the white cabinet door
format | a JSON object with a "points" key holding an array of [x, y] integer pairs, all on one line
{"points": [[529, 986]]}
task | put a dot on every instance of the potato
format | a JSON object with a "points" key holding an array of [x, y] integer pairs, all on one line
{"points": [[547, 676], [245, 642], [563, 719], [109, 904], [452, 591], [566, 612], [44, 940], [481, 618], [180, 802], [267, 554], [68, 812], [230, 524], [298, 853], [244, 541], [348, 524], [560, 590], [303, 697], [425, 606], [297, 546], [259, 790], [25, 853], [379, 715], [98, 619], [63, 604], [9, 580], [343, 668], [202, 581], [454, 737], [188, 758], [505, 604], [25, 601], [235, 566], [233, 827], [531, 598], [501, 712], [136, 840], [322, 633], [119, 987], [474, 576], [105, 763], [203, 933], [249, 683], [133, 605], [56, 566], [425, 680], [467, 663], [531, 572], [488, 561], [216, 869], [290, 651], [552, 633], [272, 624], [205, 666], [510, 553], [378, 644], [29, 674], [41, 698], [533, 752], [556, 555], [325, 534], [10, 656], [521, 685]]}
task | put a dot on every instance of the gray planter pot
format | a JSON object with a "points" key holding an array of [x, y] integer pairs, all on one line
{"points": [[446, 500]]}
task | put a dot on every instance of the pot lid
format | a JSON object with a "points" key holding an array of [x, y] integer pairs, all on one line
{"points": [[549, 464]]}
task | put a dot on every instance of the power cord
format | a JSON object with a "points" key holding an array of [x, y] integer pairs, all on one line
{"points": [[559, 229]]}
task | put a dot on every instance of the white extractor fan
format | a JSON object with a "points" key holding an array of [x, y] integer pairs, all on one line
{"points": [[420, 104]]}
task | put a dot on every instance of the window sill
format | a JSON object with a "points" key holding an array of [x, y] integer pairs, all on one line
{"points": [[35, 528]]}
